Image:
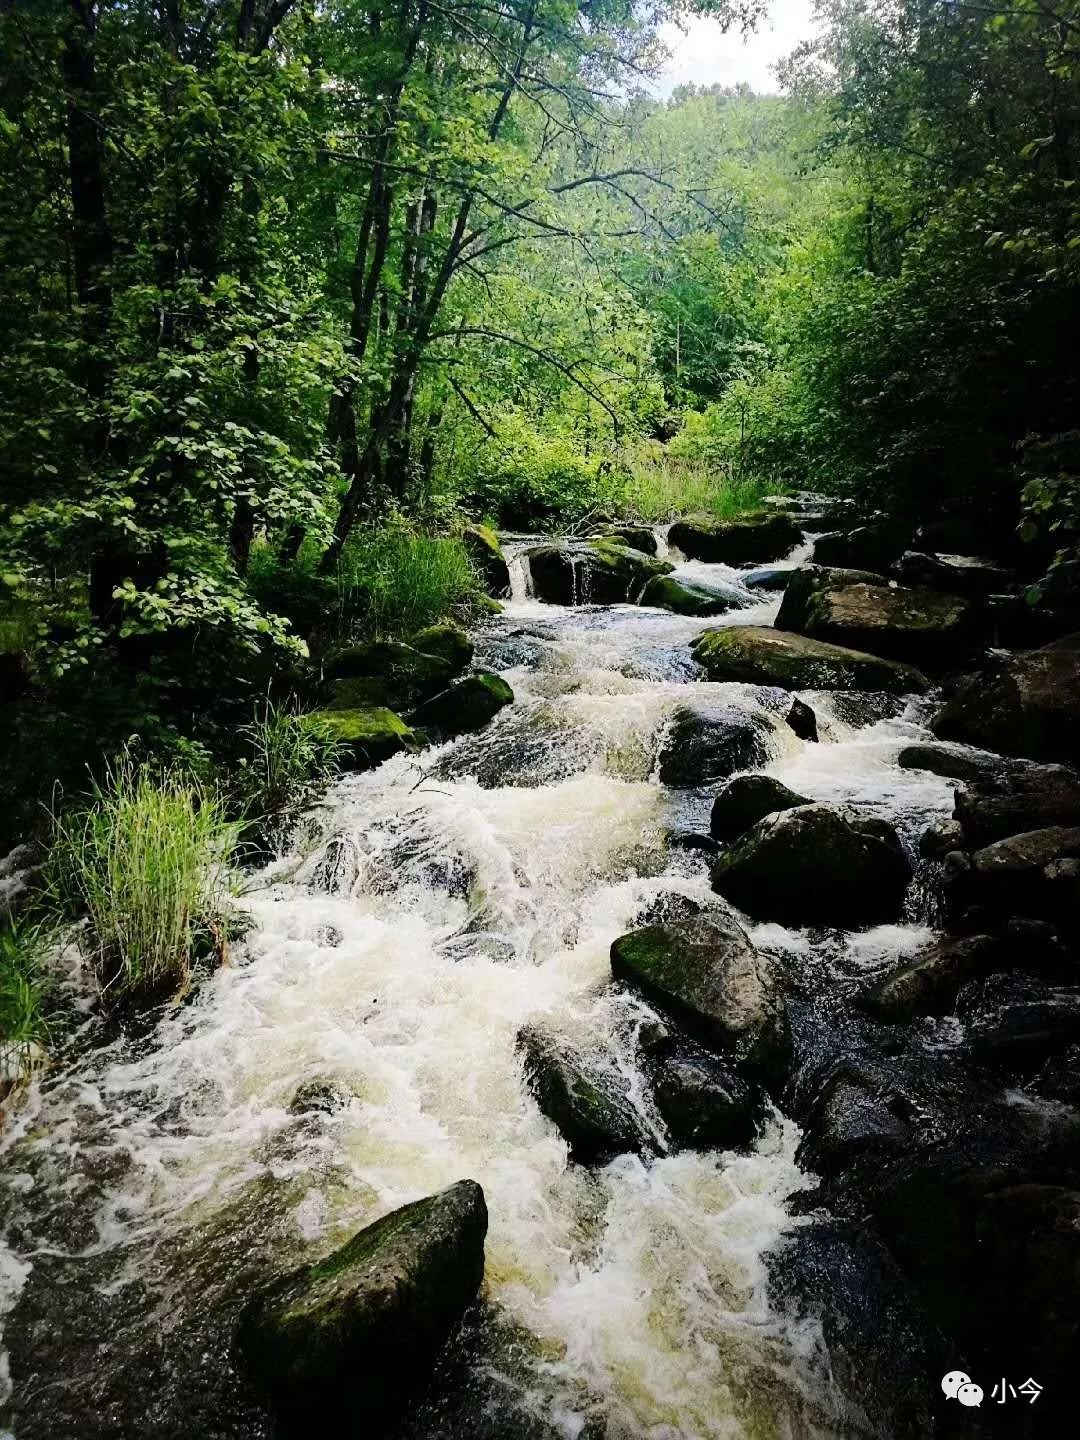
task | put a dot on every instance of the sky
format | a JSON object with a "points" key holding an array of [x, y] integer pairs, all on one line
{"points": [[704, 55]]}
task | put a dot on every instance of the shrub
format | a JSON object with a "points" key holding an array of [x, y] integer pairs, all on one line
{"points": [[289, 758], [24, 1027], [147, 862]]}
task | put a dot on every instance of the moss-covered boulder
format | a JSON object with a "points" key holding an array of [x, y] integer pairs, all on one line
{"points": [[708, 743], [1026, 704], [350, 1340], [706, 975], [685, 598], [368, 735], [762, 656], [746, 800], [923, 625], [591, 1112], [807, 582], [487, 555], [814, 865], [748, 540], [396, 673], [955, 574], [466, 705], [600, 572], [867, 547], [638, 537]]}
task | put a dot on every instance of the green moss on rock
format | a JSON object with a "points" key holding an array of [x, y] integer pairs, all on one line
{"points": [[748, 540], [486, 553], [466, 705], [683, 598], [368, 734], [759, 655]]}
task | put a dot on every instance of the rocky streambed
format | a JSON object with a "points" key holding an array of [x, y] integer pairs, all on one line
{"points": [[693, 1050]]}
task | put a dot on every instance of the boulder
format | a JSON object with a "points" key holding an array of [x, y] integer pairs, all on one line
{"points": [[746, 800], [367, 735], [595, 1119], [468, 704], [352, 1338], [855, 1120], [815, 866], [685, 598], [759, 655], [1019, 1020], [929, 983], [923, 625], [802, 721], [807, 582], [703, 1102], [955, 574], [396, 674], [747, 540], [867, 547], [1033, 874], [487, 555], [814, 509], [601, 572], [938, 839], [637, 537], [708, 744], [1032, 797], [953, 762], [1026, 704], [706, 975], [768, 578]]}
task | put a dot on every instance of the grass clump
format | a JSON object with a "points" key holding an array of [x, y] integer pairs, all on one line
{"points": [[654, 485], [24, 991], [289, 758], [147, 862], [402, 580]]}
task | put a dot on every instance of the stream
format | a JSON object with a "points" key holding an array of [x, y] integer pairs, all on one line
{"points": [[435, 906]]}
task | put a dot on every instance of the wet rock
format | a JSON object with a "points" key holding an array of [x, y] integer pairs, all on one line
{"points": [[922, 625], [746, 800], [954, 762], [637, 537], [882, 1346], [857, 709], [1021, 875], [802, 721], [815, 866], [760, 655], [601, 572], [955, 574], [693, 840], [938, 839], [685, 598], [1032, 797], [867, 547], [809, 581], [487, 555], [767, 577], [468, 704], [928, 984], [398, 675], [710, 744], [367, 735], [854, 1118], [319, 1097], [1026, 704], [1059, 1078], [814, 509], [706, 975], [596, 1121], [1017, 1021], [704, 1103], [748, 540], [351, 1338]]}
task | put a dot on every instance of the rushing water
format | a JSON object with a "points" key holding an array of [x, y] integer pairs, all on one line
{"points": [[444, 901]]}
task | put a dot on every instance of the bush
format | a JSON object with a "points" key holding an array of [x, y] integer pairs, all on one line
{"points": [[24, 1027], [148, 863], [289, 758]]}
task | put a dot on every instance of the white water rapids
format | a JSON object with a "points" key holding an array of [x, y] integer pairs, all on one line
{"points": [[447, 900]]}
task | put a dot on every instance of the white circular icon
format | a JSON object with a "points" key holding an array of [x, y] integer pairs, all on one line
{"points": [[970, 1394], [952, 1382]]}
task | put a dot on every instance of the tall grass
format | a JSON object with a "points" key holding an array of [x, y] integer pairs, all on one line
{"points": [[402, 579], [290, 758], [653, 485], [147, 862], [24, 1026]]}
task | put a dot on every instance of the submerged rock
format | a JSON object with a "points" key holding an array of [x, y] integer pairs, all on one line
{"points": [[815, 866], [1026, 704], [746, 800], [747, 540], [1017, 1020], [706, 975], [352, 1338], [855, 1119], [704, 1103], [920, 625], [368, 735], [704, 745], [867, 547], [760, 655], [601, 572], [929, 984], [685, 598], [596, 1122], [468, 704], [487, 555]]}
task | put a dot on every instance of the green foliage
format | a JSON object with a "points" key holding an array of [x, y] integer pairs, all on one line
{"points": [[24, 997], [657, 483], [399, 579], [288, 758], [147, 864]]}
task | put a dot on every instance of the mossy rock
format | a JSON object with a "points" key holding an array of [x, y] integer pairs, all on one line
{"points": [[746, 800], [446, 642], [596, 1122], [486, 553], [602, 572], [352, 1338], [759, 655], [926, 625], [368, 735], [637, 537], [808, 581], [399, 674], [747, 540], [466, 705], [683, 598]]}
